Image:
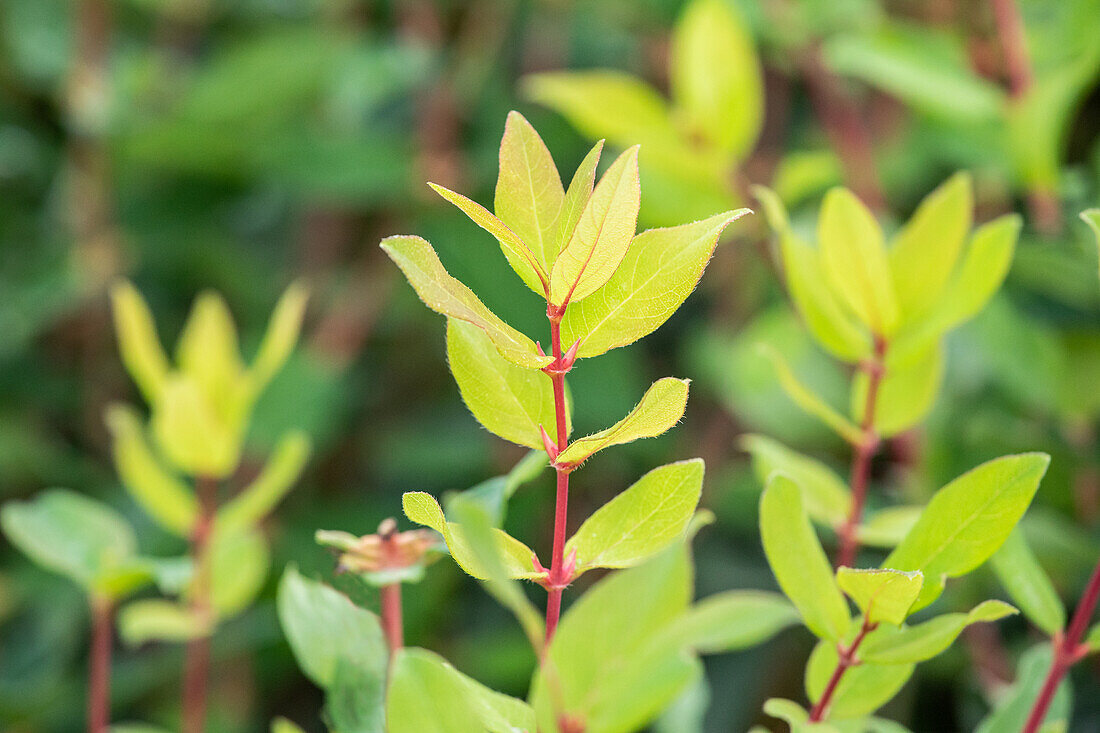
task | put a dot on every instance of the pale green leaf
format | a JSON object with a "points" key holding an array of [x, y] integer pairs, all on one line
{"points": [[862, 690], [443, 294], [576, 196], [520, 256], [888, 527], [883, 596], [354, 702], [788, 711], [602, 235], [968, 520], [190, 433], [507, 400], [912, 644], [138, 343], [659, 271], [156, 619], [423, 509], [853, 255], [808, 401], [716, 80], [163, 496], [1092, 218], [824, 494], [260, 497], [687, 713], [280, 337], [324, 628], [493, 494], [529, 193], [906, 392], [798, 561], [660, 408], [282, 725], [208, 350], [1012, 707], [1028, 585], [734, 620], [641, 521], [825, 315], [239, 562], [924, 253]]}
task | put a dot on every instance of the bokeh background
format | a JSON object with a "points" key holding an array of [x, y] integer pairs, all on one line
{"points": [[240, 144]]}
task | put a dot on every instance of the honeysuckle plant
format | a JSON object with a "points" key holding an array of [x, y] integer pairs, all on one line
{"points": [[884, 309], [178, 463]]}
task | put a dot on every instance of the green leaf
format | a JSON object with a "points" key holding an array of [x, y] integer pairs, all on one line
{"points": [[260, 497], [825, 496], [716, 80], [906, 393], [602, 235], [912, 644], [924, 253], [325, 629], [1092, 218], [443, 294], [576, 196], [808, 401], [968, 520], [660, 408], [798, 562], [190, 432], [282, 725], [788, 711], [529, 193], [165, 498], [1028, 585], [888, 527], [280, 337], [70, 534], [354, 703], [687, 713], [853, 254], [493, 494], [883, 596], [517, 557], [239, 562], [641, 521], [428, 695], [1013, 706], [822, 310], [208, 351], [659, 271], [156, 619], [862, 690], [138, 343], [734, 620], [509, 401]]}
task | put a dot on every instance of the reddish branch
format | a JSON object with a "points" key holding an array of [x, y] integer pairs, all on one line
{"points": [[196, 664], [875, 369], [847, 660], [391, 594], [1068, 650], [99, 667]]}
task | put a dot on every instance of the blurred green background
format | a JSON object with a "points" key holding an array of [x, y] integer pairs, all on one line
{"points": [[239, 144]]}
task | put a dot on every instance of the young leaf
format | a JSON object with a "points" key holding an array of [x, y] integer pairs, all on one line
{"points": [[912, 644], [239, 562], [602, 234], [324, 629], [716, 78], [208, 349], [138, 343], [280, 337], [190, 433], [825, 496], [157, 619], [165, 498], [734, 620], [261, 496], [968, 520], [881, 595], [1028, 585], [423, 509], [660, 408], [924, 252], [519, 255], [906, 394], [577, 195], [443, 294], [862, 690], [529, 193], [808, 401], [642, 520], [798, 562], [854, 257], [821, 309], [659, 271], [509, 401]]}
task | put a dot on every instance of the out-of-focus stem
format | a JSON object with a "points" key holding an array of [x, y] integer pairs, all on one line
{"points": [[196, 663], [391, 617], [99, 666]]}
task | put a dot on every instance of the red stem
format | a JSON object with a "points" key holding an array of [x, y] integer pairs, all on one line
{"points": [[557, 581], [196, 664], [1010, 29], [875, 368], [391, 617], [847, 660], [1068, 650], [99, 666]]}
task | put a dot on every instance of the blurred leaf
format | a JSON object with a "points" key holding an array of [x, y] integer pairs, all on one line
{"points": [[881, 595], [660, 408], [507, 400], [260, 497], [155, 619], [968, 520], [493, 494], [189, 432], [208, 351], [138, 343], [808, 401], [798, 562], [602, 235], [912, 644], [1015, 704], [825, 496], [239, 562], [1028, 585], [906, 393], [734, 620], [659, 271], [354, 701], [641, 521], [687, 713], [862, 690], [280, 337], [1092, 218], [443, 294], [282, 725], [788, 711], [888, 527]]}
